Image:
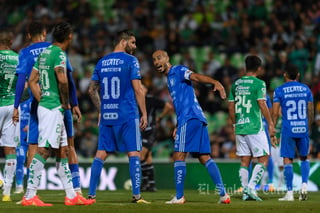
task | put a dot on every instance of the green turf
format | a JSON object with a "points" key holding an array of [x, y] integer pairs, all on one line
{"points": [[119, 202]]}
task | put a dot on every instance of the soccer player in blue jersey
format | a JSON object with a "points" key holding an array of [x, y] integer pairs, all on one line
{"points": [[117, 94], [296, 102], [191, 134], [22, 148], [37, 32], [49, 84], [68, 121], [270, 167]]}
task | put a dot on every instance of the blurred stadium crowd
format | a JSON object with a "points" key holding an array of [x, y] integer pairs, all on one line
{"points": [[209, 36]]}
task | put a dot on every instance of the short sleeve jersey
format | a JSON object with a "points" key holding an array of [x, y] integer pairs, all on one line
{"points": [[114, 72], [8, 79], [28, 56], [245, 93], [49, 59], [294, 97], [183, 96]]}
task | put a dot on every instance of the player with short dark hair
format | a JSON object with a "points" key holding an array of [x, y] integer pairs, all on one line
{"points": [[296, 102], [117, 94], [37, 32], [247, 105], [50, 73]]}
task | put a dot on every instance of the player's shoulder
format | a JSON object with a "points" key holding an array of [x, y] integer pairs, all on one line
{"points": [[10, 53]]}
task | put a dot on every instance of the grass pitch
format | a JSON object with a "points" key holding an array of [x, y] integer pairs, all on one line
{"points": [[119, 202]]}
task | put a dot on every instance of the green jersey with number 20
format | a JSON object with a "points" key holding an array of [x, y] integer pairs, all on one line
{"points": [[245, 93], [8, 78], [49, 59]]}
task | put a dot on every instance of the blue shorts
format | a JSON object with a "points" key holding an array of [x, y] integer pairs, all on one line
{"points": [[192, 137], [33, 132], [288, 146], [68, 122], [123, 138]]}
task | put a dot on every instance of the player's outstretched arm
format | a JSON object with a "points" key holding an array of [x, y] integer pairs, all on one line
{"points": [[217, 86]]}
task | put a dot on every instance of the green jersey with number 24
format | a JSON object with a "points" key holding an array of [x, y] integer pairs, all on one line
{"points": [[49, 59], [245, 93]]}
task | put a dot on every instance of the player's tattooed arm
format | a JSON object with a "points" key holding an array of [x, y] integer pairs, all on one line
{"points": [[94, 89], [310, 113]]}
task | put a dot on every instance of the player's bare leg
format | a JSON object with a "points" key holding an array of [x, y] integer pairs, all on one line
{"points": [[74, 164]]}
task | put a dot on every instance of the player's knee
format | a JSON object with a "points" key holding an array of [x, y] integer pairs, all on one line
{"points": [[303, 158], [44, 153]]}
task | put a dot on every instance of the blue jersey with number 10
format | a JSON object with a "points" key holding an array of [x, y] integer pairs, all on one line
{"points": [[294, 97], [114, 72]]}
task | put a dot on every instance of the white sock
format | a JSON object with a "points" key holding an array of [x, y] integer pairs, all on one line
{"points": [[66, 177], [244, 176], [35, 173], [257, 174], [9, 172]]}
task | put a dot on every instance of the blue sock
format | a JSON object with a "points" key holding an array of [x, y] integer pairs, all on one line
{"points": [[215, 175], [288, 175], [19, 169], [135, 174], [305, 168], [179, 176], [74, 169], [270, 168], [27, 175], [250, 169], [96, 168]]}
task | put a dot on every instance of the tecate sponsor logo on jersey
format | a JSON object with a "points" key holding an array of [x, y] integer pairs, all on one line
{"points": [[299, 129], [110, 116]]}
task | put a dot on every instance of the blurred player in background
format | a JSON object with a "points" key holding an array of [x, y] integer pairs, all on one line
{"points": [[154, 106], [266, 183], [296, 102], [9, 130]]}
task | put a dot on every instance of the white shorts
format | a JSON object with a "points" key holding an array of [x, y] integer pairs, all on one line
{"points": [[252, 145], [51, 128], [9, 133], [275, 154]]}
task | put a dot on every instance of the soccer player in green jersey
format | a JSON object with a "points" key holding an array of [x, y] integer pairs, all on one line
{"points": [[247, 106], [9, 132], [50, 72]]}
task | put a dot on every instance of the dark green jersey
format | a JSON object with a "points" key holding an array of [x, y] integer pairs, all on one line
{"points": [[8, 64], [49, 59], [245, 93]]}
